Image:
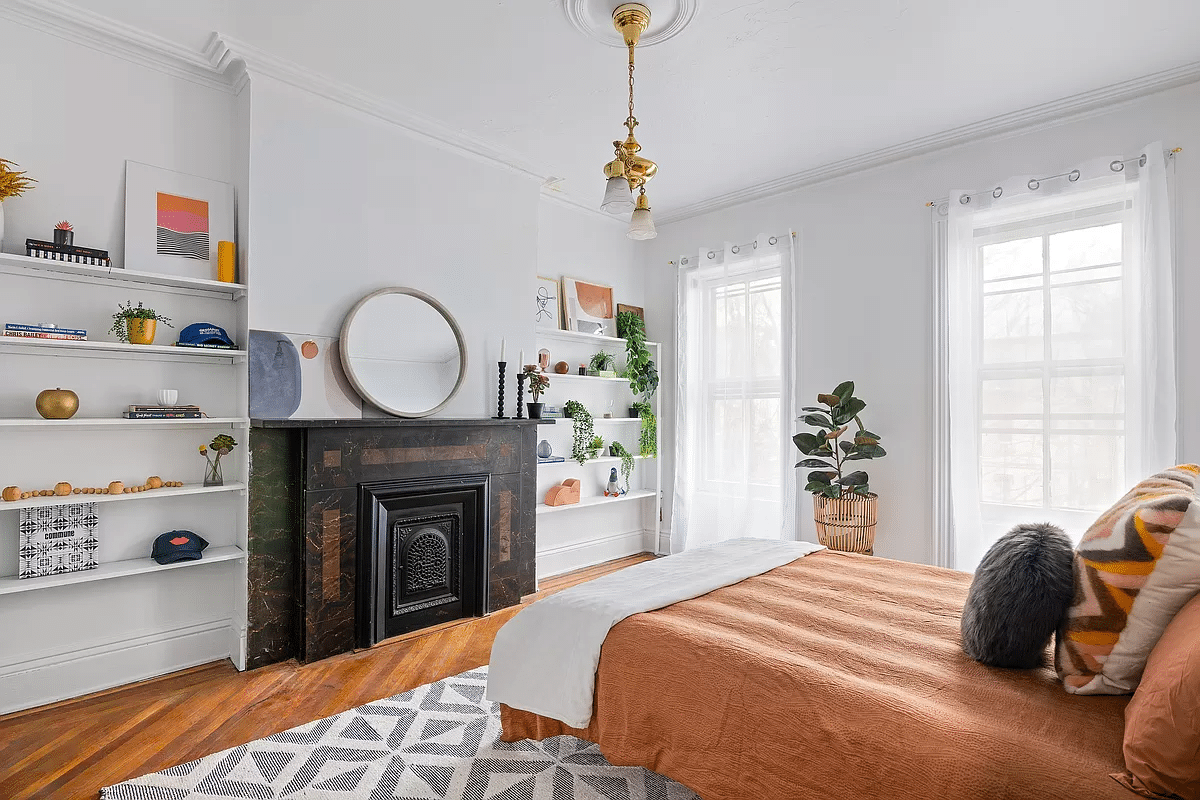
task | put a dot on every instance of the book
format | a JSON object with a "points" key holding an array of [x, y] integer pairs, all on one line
{"points": [[161, 414], [168, 409], [16, 326], [206, 346], [77, 255], [551, 460], [29, 335]]}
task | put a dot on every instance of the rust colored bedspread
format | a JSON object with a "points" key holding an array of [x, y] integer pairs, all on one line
{"points": [[838, 677]]}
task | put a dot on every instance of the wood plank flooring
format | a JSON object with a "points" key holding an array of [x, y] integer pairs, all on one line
{"points": [[74, 748]]}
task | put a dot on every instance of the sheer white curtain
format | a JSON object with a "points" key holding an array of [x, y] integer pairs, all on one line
{"points": [[735, 403], [1060, 354]]}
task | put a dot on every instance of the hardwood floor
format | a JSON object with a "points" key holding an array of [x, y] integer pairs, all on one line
{"points": [[74, 748]]}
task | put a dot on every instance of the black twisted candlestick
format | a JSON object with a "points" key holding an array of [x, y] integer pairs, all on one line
{"points": [[500, 396], [521, 393]]}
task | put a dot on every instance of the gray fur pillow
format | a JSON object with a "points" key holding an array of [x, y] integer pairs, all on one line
{"points": [[1021, 591]]}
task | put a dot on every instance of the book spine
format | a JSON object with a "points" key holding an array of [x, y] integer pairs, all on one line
{"points": [[205, 346], [51, 247], [164, 409], [28, 335], [161, 415], [14, 326]]}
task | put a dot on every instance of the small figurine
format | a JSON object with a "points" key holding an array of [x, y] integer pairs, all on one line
{"points": [[613, 489]]}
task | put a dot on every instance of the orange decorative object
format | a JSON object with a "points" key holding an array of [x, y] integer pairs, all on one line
{"points": [[562, 368], [565, 494], [226, 258], [62, 489], [11, 493], [116, 487]]}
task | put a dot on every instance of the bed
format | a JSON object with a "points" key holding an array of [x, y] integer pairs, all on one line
{"points": [[837, 676]]}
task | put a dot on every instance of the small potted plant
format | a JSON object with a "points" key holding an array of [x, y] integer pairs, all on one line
{"points": [[602, 365], [136, 325], [597, 446], [220, 446], [582, 434], [538, 383], [844, 507], [64, 234]]}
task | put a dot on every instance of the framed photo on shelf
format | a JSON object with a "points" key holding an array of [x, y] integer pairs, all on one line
{"points": [[589, 307], [547, 309], [173, 221], [637, 311]]}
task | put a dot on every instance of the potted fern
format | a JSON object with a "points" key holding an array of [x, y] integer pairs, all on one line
{"points": [[136, 325], [844, 507], [601, 365]]}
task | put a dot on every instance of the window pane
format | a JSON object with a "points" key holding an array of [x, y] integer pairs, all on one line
{"points": [[1012, 327], [1011, 468], [1012, 396], [765, 326], [1087, 471], [725, 457], [1087, 321], [1009, 259], [764, 441], [729, 331], [1088, 394], [1086, 247]]}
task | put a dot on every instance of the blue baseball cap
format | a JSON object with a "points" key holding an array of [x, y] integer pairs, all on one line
{"points": [[204, 333], [175, 546]]}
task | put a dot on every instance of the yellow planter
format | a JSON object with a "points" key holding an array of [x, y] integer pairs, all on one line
{"points": [[141, 331]]}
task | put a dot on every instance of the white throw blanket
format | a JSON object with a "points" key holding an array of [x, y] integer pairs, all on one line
{"points": [[544, 659]]}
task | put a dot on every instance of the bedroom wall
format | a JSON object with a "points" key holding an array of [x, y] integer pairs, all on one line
{"points": [[863, 250]]}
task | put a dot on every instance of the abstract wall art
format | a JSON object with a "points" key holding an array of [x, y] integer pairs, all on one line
{"points": [[589, 307], [547, 307], [182, 226], [173, 221]]}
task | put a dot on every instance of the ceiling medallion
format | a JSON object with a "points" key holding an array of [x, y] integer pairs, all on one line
{"points": [[594, 19]]}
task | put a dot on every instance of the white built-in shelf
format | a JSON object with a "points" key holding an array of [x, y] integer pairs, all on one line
{"points": [[556, 377], [76, 423], [65, 270], [607, 420], [89, 347], [150, 494], [608, 460], [116, 569], [573, 336], [591, 502]]}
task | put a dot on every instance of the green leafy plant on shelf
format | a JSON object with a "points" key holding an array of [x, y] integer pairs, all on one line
{"points": [[648, 438], [583, 434], [602, 362], [639, 367], [127, 312], [538, 381], [827, 453], [597, 446], [626, 457]]}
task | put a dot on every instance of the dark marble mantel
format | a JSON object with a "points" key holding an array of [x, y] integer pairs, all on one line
{"points": [[304, 478]]}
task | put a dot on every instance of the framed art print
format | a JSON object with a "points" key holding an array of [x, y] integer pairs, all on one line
{"points": [[173, 221], [547, 305], [57, 539], [589, 307], [637, 311]]}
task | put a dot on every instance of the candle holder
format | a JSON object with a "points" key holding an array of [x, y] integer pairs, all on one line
{"points": [[521, 393], [500, 393]]}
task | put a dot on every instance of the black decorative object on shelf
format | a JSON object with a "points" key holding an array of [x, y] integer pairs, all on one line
{"points": [[520, 394], [500, 393]]}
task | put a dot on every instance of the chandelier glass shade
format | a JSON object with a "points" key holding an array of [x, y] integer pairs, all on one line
{"points": [[629, 171]]}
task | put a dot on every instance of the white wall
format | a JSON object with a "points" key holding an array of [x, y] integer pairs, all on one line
{"points": [[866, 284]]}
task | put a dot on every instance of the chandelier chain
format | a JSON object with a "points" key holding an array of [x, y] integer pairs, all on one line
{"points": [[631, 121]]}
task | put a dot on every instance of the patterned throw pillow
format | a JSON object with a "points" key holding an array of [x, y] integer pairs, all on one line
{"points": [[1134, 569]]}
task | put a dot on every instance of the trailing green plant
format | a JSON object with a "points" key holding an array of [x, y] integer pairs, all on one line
{"points": [[827, 453], [584, 433], [626, 457], [127, 312], [639, 368], [648, 438], [538, 381], [602, 361]]}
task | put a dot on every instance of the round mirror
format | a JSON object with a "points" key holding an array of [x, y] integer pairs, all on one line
{"points": [[403, 352]]}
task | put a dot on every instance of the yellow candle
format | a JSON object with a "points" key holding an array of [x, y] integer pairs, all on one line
{"points": [[225, 262]]}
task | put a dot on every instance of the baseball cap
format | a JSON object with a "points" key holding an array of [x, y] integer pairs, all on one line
{"points": [[204, 333], [175, 546]]}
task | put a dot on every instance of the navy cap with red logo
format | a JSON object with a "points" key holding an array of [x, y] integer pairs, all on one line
{"points": [[175, 546]]}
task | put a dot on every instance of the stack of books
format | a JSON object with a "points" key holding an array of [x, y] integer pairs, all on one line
{"points": [[70, 253], [207, 346], [163, 412], [44, 332]]}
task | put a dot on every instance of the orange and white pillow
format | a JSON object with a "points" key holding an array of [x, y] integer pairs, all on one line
{"points": [[1134, 569]]}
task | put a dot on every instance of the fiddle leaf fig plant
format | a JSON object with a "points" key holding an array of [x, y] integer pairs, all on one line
{"points": [[828, 453]]}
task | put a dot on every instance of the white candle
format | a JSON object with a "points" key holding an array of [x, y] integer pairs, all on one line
{"points": [[521, 365], [503, 344]]}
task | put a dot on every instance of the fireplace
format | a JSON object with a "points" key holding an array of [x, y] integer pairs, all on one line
{"points": [[422, 554]]}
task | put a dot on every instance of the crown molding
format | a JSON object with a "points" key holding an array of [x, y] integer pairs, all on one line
{"points": [[560, 198], [229, 55], [1046, 115], [85, 27]]}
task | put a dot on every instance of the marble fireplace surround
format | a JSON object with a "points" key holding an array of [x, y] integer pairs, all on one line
{"points": [[304, 479]]}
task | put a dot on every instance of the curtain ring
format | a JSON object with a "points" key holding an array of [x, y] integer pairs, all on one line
{"points": [[966, 198], [999, 190], [1033, 184], [754, 244], [711, 255], [1073, 175], [683, 260], [1117, 166], [774, 240], [1142, 160], [735, 249]]}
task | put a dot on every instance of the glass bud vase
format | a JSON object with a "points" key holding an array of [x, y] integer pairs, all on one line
{"points": [[212, 473]]}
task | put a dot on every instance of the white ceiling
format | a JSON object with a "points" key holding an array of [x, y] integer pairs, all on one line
{"points": [[753, 90]]}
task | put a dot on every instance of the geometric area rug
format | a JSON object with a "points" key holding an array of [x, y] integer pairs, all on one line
{"points": [[436, 742]]}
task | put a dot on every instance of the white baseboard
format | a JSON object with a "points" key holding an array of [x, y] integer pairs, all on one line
{"points": [[71, 672], [557, 560], [664, 543]]}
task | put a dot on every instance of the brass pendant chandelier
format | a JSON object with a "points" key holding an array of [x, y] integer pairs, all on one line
{"points": [[629, 171]]}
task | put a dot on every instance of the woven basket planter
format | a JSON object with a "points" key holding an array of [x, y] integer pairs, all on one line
{"points": [[846, 523]]}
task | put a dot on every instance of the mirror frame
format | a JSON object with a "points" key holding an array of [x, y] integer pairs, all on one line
{"points": [[349, 369]]}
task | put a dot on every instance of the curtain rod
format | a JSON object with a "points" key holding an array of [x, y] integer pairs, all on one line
{"points": [[1035, 183], [736, 247]]}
